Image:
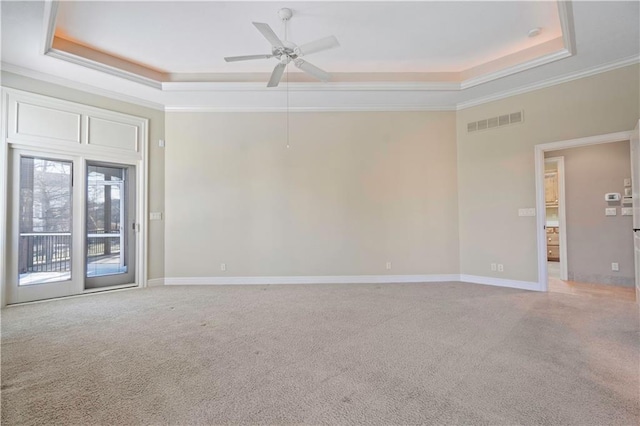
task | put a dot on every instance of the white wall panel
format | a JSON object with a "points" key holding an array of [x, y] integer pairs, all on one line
{"points": [[112, 134], [41, 121]]}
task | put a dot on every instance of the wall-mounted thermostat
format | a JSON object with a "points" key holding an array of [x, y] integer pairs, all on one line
{"points": [[612, 196]]}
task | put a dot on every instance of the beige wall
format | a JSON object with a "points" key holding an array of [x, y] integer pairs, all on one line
{"points": [[496, 167], [594, 240], [354, 191], [156, 155]]}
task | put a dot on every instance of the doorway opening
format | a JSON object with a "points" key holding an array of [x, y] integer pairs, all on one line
{"points": [[585, 235]]}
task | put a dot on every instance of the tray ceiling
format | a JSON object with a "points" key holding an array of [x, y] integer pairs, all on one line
{"points": [[402, 54]]}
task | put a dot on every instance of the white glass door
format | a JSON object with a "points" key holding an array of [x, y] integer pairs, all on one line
{"points": [[110, 232], [43, 217], [72, 226]]}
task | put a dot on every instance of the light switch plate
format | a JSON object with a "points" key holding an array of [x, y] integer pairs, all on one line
{"points": [[627, 182], [527, 212], [610, 211], [626, 211], [155, 216]]}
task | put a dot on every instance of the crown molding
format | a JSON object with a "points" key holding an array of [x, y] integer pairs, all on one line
{"points": [[37, 75], [565, 12], [99, 66], [49, 25], [199, 86], [363, 108], [542, 60], [621, 63]]}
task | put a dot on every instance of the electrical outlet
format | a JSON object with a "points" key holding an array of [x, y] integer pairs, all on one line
{"points": [[223, 267], [610, 211], [500, 267], [626, 211], [155, 216], [615, 266], [388, 265], [494, 267]]}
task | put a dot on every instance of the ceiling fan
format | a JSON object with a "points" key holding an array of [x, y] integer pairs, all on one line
{"points": [[287, 52]]}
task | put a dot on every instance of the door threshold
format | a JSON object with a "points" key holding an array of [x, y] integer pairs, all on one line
{"points": [[109, 288], [83, 294]]}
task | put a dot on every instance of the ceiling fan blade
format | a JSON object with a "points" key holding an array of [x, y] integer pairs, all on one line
{"points": [[318, 45], [276, 75], [312, 70], [246, 58], [268, 33]]}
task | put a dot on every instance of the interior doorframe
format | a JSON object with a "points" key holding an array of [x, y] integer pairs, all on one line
{"points": [[562, 216], [539, 151]]}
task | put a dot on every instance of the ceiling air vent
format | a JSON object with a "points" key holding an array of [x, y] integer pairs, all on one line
{"points": [[493, 122], [515, 117]]}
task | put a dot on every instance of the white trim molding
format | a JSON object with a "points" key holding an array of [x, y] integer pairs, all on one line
{"points": [[351, 279], [320, 279], [386, 93], [610, 66], [363, 108], [501, 282], [60, 81], [155, 282]]}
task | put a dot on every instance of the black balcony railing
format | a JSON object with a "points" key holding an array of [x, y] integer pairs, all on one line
{"points": [[51, 251]]}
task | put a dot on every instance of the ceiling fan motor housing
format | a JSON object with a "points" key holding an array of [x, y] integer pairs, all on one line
{"points": [[285, 14]]}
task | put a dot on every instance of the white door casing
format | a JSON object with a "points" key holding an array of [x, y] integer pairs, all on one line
{"points": [[539, 151], [635, 192]]}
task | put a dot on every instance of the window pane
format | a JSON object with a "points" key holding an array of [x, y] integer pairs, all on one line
{"points": [[45, 221]]}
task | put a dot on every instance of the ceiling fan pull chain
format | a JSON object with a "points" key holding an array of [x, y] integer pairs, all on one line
{"points": [[288, 146]]}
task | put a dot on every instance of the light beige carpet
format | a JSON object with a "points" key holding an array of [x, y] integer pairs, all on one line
{"points": [[448, 353]]}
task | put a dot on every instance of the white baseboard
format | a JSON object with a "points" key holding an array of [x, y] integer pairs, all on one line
{"points": [[347, 279], [321, 279], [155, 282], [501, 282]]}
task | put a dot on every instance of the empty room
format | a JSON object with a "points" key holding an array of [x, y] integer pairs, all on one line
{"points": [[320, 212]]}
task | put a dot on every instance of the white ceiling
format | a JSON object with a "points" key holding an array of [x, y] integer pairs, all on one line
{"points": [[375, 37]]}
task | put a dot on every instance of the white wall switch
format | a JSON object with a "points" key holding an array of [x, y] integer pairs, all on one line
{"points": [[615, 266], [527, 212], [500, 267], [494, 267], [223, 266], [155, 216], [610, 211], [161, 143], [626, 211], [388, 265], [627, 182]]}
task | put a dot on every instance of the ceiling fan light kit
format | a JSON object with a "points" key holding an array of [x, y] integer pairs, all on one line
{"points": [[286, 52]]}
